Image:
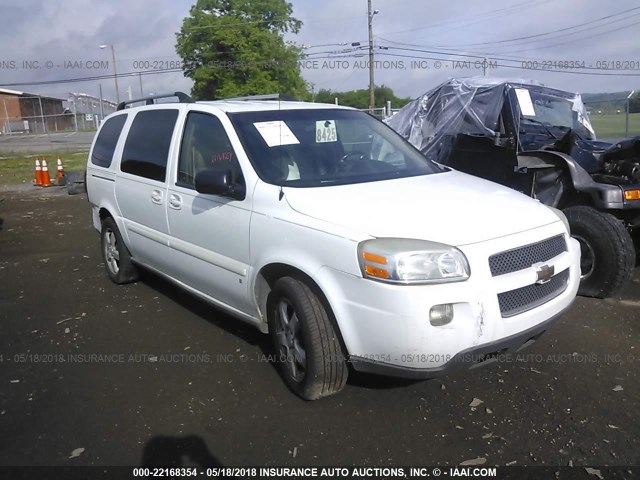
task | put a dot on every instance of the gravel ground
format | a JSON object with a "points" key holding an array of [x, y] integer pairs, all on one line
{"points": [[97, 374]]}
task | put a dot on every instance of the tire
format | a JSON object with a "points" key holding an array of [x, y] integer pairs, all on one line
{"points": [[308, 352], [116, 256], [75, 183], [636, 244], [608, 255]]}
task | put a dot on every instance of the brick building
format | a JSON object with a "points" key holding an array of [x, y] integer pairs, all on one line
{"points": [[31, 113]]}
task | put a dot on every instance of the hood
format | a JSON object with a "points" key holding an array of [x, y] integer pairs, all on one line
{"points": [[588, 152], [451, 207]]}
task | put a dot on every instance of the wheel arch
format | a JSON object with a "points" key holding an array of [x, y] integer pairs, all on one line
{"points": [[106, 211], [103, 213], [600, 195], [271, 272]]}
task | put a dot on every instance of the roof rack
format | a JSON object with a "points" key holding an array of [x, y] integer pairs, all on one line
{"points": [[268, 96], [149, 100]]}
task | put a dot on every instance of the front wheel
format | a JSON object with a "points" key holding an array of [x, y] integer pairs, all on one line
{"points": [[608, 255], [308, 352]]}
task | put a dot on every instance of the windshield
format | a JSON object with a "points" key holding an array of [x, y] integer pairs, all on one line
{"points": [[552, 112], [316, 147]]}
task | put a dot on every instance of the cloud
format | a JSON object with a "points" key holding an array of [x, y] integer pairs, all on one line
{"points": [[434, 30], [50, 42], [68, 33]]}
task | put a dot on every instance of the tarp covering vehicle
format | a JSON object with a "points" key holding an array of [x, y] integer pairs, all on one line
{"points": [[540, 141]]}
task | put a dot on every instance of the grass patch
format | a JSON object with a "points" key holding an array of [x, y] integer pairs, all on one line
{"points": [[612, 125], [19, 169]]}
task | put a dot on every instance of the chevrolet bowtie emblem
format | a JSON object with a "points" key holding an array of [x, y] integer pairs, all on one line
{"points": [[544, 273]]}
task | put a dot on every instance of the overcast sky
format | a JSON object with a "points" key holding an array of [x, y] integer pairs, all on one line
{"points": [[63, 36]]}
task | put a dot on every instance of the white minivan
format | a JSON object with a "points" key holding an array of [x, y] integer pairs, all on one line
{"points": [[321, 226]]}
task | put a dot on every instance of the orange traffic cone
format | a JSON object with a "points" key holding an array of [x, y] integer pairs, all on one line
{"points": [[38, 174], [46, 179], [60, 172]]}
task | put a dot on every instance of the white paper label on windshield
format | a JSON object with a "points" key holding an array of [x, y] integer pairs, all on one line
{"points": [[276, 133], [526, 105], [326, 131]]}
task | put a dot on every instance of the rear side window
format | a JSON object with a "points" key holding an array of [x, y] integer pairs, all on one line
{"points": [[102, 154], [147, 148]]}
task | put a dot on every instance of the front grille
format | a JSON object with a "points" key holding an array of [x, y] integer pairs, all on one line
{"points": [[526, 298], [523, 257]]}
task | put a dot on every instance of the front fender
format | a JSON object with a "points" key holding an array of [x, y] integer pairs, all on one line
{"points": [[603, 196], [290, 247]]}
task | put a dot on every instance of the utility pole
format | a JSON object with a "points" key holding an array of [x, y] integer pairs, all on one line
{"points": [[101, 104], [372, 95], [115, 70]]}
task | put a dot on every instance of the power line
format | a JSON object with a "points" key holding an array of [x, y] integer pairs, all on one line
{"points": [[590, 36], [555, 31], [445, 56], [485, 57], [538, 47], [94, 78], [456, 51], [490, 15], [571, 72]]}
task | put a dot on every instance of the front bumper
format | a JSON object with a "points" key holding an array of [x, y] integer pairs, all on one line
{"points": [[465, 360], [386, 328]]}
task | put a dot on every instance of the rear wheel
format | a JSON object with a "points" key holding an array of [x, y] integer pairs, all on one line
{"points": [[608, 255], [308, 352], [115, 254]]}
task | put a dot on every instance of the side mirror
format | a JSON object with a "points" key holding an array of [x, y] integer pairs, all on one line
{"points": [[213, 182]]}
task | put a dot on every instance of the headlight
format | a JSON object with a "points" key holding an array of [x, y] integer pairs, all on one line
{"points": [[407, 261], [560, 214]]}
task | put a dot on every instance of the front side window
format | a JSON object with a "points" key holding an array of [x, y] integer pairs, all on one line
{"points": [[102, 154], [146, 151], [316, 147], [205, 146]]}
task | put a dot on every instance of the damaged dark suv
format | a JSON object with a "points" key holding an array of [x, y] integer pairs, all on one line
{"points": [[539, 140]]}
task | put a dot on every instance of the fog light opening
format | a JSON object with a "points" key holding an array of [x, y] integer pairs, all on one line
{"points": [[441, 315]]}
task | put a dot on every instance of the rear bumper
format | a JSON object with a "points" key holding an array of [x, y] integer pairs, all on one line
{"points": [[465, 360]]}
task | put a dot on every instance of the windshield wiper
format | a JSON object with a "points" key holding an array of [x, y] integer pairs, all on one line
{"points": [[538, 122]]}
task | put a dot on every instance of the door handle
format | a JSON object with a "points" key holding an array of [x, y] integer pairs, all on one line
{"points": [[175, 201], [156, 197]]}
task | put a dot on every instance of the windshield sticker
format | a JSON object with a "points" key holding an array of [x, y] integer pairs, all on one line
{"points": [[524, 100], [276, 133], [326, 131]]}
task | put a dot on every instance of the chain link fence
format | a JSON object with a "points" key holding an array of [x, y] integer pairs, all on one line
{"points": [[382, 112], [33, 114]]}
